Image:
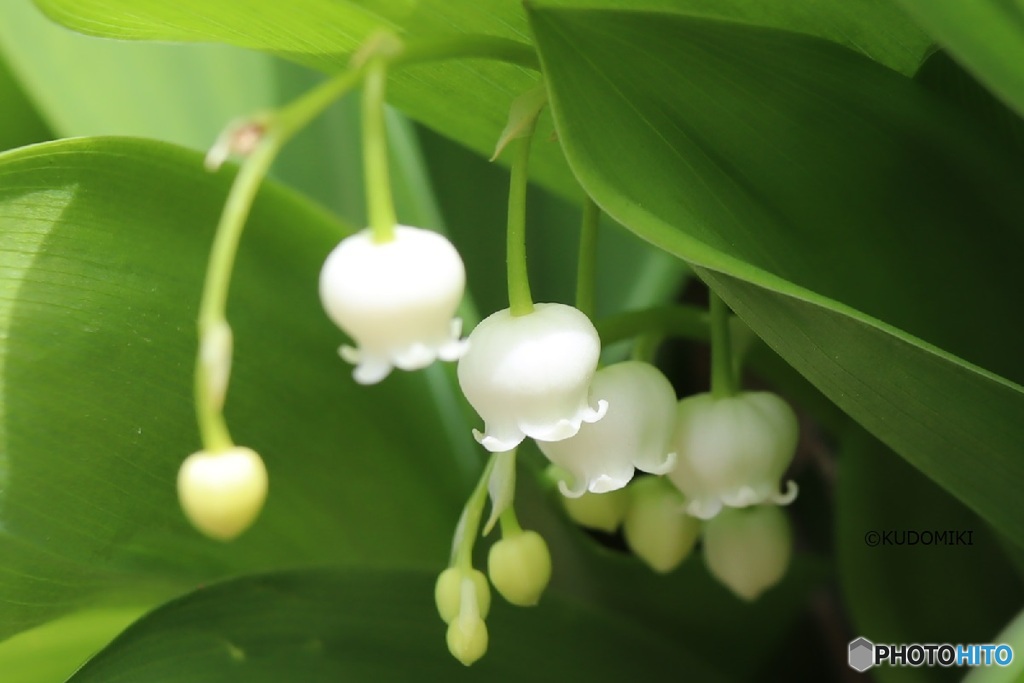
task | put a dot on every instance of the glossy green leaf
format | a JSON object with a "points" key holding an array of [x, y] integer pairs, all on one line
{"points": [[857, 224], [900, 590], [876, 28], [102, 248], [986, 36], [323, 34], [476, 95], [342, 625]]}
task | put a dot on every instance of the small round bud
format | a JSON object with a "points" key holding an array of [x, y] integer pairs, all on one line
{"points": [[529, 375], [448, 592], [601, 511], [657, 528], [748, 549], [222, 493], [520, 567], [467, 638]]}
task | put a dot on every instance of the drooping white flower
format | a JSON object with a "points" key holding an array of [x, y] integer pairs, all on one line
{"points": [[733, 451], [396, 300], [530, 375], [636, 432], [748, 550]]}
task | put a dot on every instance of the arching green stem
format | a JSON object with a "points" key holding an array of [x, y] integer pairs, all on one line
{"points": [[519, 298], [509, 523], [380, 205], [469, 523], [586, 269], [723, 379], [213, 361]]}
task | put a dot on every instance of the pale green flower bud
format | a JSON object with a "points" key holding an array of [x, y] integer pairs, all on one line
{"points": [[748, 549], [601, 511], [530, 375], [396, 300], [635, 433], [448, 592], [520, 567], [467, 638], [733, 451], [222, 493], [656, 526]]}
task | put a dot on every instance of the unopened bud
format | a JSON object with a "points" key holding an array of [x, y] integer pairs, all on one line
{"points": [[467, 638], [748, 549], [656, 526], [601, 511], [221, 493], [520, 567], [448, 592]]}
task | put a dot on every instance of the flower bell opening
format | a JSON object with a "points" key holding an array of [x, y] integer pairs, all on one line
{"points": [[396, 299]]}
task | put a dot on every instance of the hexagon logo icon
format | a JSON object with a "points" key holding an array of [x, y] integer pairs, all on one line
{"points": [[862, 654]]}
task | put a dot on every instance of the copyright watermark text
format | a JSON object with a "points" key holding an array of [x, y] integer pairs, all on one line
{"points": [[874, 538]]}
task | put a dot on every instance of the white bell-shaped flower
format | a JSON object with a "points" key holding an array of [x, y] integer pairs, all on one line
{"points": [[748, 550], [396, 300], [530, 375], [732, 452], [636, 432]]}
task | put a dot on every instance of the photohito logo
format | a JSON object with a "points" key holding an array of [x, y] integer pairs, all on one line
{"points": [[864, 654]]}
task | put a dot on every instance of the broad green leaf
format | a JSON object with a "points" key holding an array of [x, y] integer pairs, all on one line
{"points": [[477, 94], [323, 34], [876, 28], [51, 653], [102, 249], [986, 36], [893, 590], [329, 625], [857, 224]]}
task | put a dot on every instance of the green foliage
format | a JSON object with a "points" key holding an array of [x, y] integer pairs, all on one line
{"points": [[842, 268], [858, 211]]}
